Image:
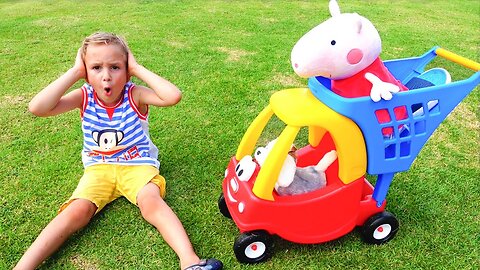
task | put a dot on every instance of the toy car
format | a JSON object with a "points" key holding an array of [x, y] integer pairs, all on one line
{"points": [[333, 123]]}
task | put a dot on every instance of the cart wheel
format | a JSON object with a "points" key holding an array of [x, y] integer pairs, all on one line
{"points": [[222, 205], [253, 247], [380, 228]]}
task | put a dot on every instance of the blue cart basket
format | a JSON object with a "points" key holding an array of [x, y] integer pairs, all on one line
{"points": [[427, 107]]}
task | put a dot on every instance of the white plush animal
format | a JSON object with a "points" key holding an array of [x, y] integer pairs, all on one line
{"points": [[346, 49], [310, 178], [297, 180], [289, 165]]}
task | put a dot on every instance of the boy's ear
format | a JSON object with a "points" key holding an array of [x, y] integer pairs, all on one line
{"points": [[86, 73], [126, 67]]}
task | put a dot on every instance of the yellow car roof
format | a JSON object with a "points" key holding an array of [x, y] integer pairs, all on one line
{"points": [[299, 108]]}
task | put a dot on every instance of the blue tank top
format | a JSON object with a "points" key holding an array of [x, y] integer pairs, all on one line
{"points": [[115, 135]]}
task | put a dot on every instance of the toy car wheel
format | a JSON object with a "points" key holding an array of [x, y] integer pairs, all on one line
{"points": [[253, 247], [222, 205], [380, 228]]}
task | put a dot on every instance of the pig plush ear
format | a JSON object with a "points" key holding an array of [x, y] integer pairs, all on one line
{"points": [[334, 8], [359, 23]]}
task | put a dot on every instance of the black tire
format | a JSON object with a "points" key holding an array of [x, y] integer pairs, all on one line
{"points": [[380, 228], [253, 247], [222, 205]]}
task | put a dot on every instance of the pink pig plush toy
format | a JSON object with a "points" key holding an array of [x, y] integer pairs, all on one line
{"points": [[346, 49]]}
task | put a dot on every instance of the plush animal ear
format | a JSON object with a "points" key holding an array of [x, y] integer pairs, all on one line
{"points": [[359, 24], [271, 144], [95, 136], [287, 173], [334, 8]]}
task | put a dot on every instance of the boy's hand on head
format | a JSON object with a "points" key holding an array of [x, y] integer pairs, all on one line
{"points": [[159, 91], [132, 64], [80, 65]]}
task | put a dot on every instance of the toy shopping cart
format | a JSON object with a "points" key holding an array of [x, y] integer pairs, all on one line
{"points": [[427, 108], [334, 123]]}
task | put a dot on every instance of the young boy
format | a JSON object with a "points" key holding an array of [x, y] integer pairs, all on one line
{"points": [[118, 155]]}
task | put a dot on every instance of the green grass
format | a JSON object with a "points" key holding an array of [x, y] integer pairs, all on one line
{"points": [[228, 57]]}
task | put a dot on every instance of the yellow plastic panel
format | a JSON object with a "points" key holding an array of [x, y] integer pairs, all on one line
{"points": [[298, 107], [270, 170], [253, 132], [315, 134]]}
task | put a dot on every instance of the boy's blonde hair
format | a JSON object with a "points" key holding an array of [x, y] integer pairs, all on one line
{"points": [[104, 38]]}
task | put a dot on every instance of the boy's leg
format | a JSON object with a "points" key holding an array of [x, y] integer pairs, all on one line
{"points": [[159, 214], [74, 217]]}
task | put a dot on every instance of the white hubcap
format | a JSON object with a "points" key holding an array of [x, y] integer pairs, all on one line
{"points": [[382, 231], [255, 250]]}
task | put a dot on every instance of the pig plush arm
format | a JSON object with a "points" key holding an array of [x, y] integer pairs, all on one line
{"points": [[380, 89]]}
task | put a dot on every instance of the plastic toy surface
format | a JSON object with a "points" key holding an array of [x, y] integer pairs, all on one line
{"points": [[334, 123]]}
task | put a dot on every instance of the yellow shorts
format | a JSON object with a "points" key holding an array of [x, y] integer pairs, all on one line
{"points": [[103, 183]]}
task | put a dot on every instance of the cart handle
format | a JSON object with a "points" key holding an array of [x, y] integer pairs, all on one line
{"points": [[458, 59]]}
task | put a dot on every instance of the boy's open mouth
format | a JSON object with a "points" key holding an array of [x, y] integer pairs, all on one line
{"points": [[107, 90]]}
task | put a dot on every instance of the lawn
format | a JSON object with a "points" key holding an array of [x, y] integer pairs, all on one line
{"points": [[228, 57]]}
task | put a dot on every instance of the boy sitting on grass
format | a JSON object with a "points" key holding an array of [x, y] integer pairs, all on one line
{"points": [[118, 154]]}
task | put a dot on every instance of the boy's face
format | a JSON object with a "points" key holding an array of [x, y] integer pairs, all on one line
{"points": [[106, 66]]}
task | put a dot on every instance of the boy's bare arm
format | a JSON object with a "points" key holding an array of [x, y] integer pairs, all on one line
{"points": [[164, 92], [52, 99]]}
